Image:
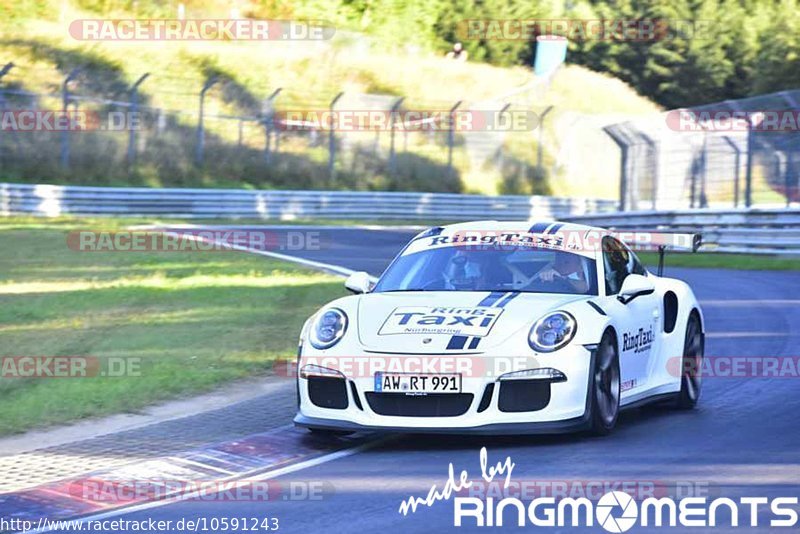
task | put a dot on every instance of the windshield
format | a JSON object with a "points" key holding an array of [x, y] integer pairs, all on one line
{"points": [[535, 270]]}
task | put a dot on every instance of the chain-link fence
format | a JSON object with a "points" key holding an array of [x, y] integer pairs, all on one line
{"points": [[224, 134], [737, 153]]}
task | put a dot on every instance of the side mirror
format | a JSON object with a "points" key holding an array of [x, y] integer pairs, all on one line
{"points": [[358, 282], [635, 285]]}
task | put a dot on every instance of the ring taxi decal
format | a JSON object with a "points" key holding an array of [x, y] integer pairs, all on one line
{"points": [[476, 321]]}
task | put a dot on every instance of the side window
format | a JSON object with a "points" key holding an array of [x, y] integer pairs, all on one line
{"points": [[617, 263], [636, 264]]}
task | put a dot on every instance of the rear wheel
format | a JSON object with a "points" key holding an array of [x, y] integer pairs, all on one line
{"points": [[605, 389], [690, 365]]}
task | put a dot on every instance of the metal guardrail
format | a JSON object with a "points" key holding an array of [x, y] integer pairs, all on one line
{"points": [[52, 200], [764, 231], [754, 231]]}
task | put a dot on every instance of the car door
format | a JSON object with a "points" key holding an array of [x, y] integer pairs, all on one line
{"points": [[637, 320]]}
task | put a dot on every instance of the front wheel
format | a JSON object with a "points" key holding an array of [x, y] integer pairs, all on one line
{"points": [[690, 365], [605, 390]]}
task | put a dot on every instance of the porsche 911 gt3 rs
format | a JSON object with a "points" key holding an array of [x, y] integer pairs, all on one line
{"points": [[503, 328]]}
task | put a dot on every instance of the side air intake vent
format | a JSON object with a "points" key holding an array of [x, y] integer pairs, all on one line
{"points": [[670, 311]]}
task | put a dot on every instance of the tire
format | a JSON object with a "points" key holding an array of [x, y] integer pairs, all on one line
{"points": [[691, 363], [605, 387]]}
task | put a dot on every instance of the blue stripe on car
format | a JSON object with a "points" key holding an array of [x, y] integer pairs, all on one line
{"points": [[492, 298], [539, 228], [457, 342], [497, 299], [507, 299]]}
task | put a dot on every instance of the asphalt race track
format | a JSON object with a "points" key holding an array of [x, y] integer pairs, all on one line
{"points": [[744, 440]]}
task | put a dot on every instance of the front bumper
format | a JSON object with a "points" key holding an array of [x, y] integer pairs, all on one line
{"points": [[493, 429], [483, 407]]}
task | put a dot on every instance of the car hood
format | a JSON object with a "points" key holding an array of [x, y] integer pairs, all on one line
{"points": [[435, 322]]}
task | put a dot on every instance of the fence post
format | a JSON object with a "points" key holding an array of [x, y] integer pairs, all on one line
{"points": [[748, 177], [783, 163], [332, 140], [500, 150], [539, 153], [201, 134], [737, 165], [451, 138], [269, 117], [624, 146], [134, 109], [65, 106], [7, 67], [652, 163], [704, 176], [392, 115]]}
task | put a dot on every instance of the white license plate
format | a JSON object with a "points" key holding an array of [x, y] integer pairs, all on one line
{"points": [[417, 384]]}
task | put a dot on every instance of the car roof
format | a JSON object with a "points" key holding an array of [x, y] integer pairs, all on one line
{"points": [[571, 237], [543, 226]]}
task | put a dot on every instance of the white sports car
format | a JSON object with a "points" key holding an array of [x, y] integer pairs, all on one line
{"points": [[503, 328]]}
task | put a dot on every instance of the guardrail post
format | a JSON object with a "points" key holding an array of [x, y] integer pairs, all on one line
{"points": [[134, 110], [201, 133], [269, 123], [65, 105], [392, 116], [451, 138], [332, 141]]}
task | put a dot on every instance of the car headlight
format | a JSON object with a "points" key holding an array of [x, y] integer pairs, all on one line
{"points": [[328, 328], [552, 331]]}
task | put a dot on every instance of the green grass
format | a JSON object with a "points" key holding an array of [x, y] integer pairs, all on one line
{"points": [[195, 320], [717, 260]]}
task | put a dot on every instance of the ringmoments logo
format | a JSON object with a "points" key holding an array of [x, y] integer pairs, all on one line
{"points": [[615, 511]]}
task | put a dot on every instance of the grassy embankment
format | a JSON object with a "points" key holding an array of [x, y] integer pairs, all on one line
{"points": [[194, 320]]}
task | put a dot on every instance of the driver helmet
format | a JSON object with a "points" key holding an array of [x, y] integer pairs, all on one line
{"points": [[464, 271]]}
